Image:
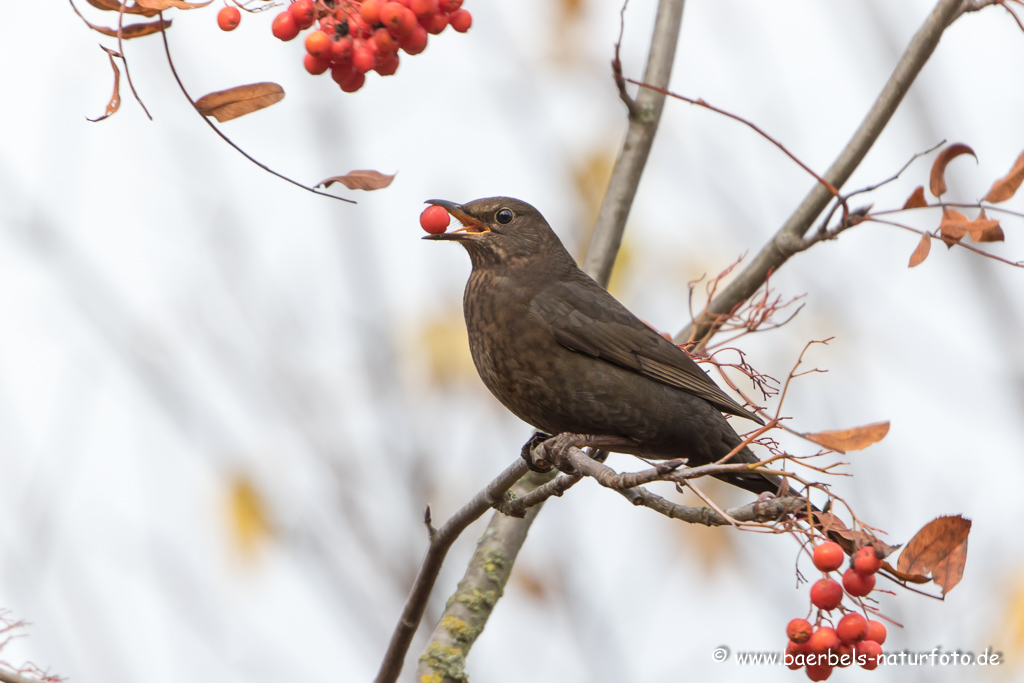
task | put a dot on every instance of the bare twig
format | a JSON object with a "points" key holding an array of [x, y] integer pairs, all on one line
{"points": [[618, 199], [620, 82], [986, 254], [219, 132], [440, 541], [517, 507], [789, 238]]}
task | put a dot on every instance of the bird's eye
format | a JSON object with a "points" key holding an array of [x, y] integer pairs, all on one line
{"points": [[504, 216]]}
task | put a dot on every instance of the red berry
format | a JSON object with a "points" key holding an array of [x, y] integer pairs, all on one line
{"points": [[415, 42], [229, 18], [362, 57], [341, 52], [304, 13], [316, 65], [434, 219], [869, 650], [386, 64], [385, 41], [354, 83], [397, 19], [435, 23], [318, 44], [876, 632], [857, 584], [341, 73], [284, 26], [794, 649], [823, 640], [826, 594], [866, 560], [423, 8], [449, 6], [799, 630], [828, 556], [852, 628], [460, 20], [370, 12], [819, 672], [845, 654]]}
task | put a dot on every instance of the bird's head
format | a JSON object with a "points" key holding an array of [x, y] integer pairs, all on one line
{"points": [[498, 230]]}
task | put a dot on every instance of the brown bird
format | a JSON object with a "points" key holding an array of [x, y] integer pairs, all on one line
{"points": [[565, 356]]}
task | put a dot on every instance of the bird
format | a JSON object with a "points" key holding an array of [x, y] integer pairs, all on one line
{"points": [[566, 357]]}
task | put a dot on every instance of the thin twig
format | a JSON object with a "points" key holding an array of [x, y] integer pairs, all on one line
{"points": [[620, 82], [960, 243], [218, 131]]}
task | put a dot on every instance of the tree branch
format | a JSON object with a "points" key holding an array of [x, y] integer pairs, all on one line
{"points": [[789, 238], [618, 198], [440, 541]]}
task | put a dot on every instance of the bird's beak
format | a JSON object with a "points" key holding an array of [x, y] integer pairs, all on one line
{"points": [[470, 225]]}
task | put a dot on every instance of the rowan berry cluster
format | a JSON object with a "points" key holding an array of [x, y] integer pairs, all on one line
{"points": [[354, 37], [853, 639]]}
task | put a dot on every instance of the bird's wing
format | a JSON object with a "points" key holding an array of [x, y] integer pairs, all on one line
{"points": [[589, 320]]}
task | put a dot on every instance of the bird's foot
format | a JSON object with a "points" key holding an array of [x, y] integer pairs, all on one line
{"points": [[534, 461], [555, 450]]}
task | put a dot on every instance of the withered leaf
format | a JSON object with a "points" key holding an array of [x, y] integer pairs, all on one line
{"points": [[115, 99], [133, 30], [115, 6], [167, 4], [847, 538], [853, 439], [953, 226], [935, 544], [1007, 186], [949, 571], [360, 180], [916, 200], [984, 229], [937, 182], [225, 105], [921, 251], [911, 578]]}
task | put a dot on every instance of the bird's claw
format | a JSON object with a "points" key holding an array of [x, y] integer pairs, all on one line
{"points": [[534, 460]]}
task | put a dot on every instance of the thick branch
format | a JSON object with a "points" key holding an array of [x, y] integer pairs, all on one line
{"points": [[467, 611], [618, 199], [789, 239], [440, 541]]}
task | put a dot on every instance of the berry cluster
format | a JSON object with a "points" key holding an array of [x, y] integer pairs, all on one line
{"points": [[354, 37], [854, 639]]}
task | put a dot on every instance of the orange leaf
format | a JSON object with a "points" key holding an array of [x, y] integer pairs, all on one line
{"points": [[950, 570], [167, 4], [984, 227], [115, 99], [853, 439], [115, 6], [937, 182], [225, 105], [911, 578], [916, 200], [132, 30], [953, 226], [1007, 186], [935, 544], [921, 252], [360, 180]]}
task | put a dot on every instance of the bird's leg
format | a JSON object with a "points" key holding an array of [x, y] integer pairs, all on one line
{"points": [[535, 463], [555, 450]]}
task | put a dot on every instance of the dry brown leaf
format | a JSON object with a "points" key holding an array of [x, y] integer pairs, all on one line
{"points": [[115, 6], [847, 538], [132, 30], [921, 251], [935, 544], [937, 182], [1007, 186], [853, 439], [911, 578], [167, 4], [953, 226], [984, 229], [115, 99], [949, 571], [916, 200], [360, 180], [225, 105]]}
